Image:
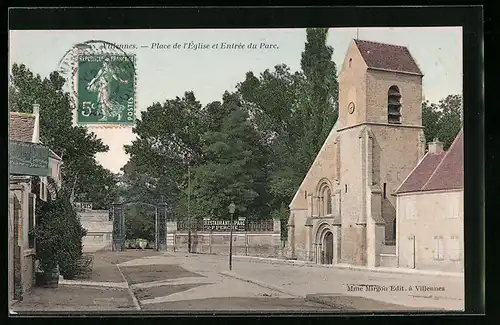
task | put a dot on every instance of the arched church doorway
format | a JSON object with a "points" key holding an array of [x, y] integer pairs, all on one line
{"points": [[328, 248]]}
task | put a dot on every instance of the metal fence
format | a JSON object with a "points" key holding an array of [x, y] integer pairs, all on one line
{"points": [[260, 226], [251, 226]]}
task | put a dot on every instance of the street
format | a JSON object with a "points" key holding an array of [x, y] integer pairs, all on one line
{"points": [[153, 281]]}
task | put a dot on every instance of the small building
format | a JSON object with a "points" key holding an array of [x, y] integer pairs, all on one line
{"points": [[430, 227], [28, 159]]}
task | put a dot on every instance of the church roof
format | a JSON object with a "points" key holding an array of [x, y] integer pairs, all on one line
{"points": [[21, 127], [437, 171], [387, 57]]}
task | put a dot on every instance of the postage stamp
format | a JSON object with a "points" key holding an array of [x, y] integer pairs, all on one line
{"points": [[105, 89], [101, 78]]}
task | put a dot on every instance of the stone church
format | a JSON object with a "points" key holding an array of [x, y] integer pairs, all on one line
{"points": [[344, 210]]}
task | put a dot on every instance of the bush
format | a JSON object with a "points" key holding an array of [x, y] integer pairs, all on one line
{"points": [[58, 234]]}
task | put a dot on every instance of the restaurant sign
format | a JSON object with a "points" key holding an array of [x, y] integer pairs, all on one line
{"points": [[27, 158], [223, 225]]}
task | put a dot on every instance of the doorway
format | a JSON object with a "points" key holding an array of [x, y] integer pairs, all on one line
{"points": [[328, 248]]}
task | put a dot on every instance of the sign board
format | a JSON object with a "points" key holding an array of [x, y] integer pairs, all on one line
{"points": [[83, 205], [223, 225], [27, 158], [105, 89]]}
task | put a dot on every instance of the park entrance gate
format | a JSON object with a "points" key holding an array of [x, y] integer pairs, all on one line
{"points": [[116, 214]]}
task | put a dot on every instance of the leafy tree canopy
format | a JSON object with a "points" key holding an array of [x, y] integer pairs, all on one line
{"points": [[74, 144], [443, 120]]}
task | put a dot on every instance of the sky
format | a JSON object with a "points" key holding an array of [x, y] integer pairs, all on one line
{"points": [[166, 73]]}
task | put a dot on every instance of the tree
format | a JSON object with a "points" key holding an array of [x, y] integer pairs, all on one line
{"points": [[103, 185], [168, 138], [254, 147], [443, 120], [58, 235], [430, 120], [74, 144], [271, 101], [450, 121], [318, 100], [233, 168], [140, 222], [293, 113]]}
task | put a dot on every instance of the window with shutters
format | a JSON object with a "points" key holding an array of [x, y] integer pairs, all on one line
{"points": [[438, 248], [454, 249], [410, 208], [452, 211]]}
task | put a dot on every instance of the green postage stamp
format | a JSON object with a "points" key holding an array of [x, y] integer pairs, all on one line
{"points": [[105, 89]]}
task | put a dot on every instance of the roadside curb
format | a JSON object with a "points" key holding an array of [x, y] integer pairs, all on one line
{"points": [[130, 291], [260, 284], [122, 285], [346, 266]]}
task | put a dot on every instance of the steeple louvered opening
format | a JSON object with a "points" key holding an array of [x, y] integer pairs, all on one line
{"points": [[394, 105]]}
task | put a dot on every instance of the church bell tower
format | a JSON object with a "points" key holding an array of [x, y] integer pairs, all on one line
{"points": [[380, 118]]}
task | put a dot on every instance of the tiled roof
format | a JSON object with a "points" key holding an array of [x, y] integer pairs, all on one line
{"points": [[450, 172], [21, 127], [387, 57], [441, 171], [421, 174]]}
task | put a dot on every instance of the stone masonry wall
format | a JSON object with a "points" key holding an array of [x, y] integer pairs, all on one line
{"points": [[250, 244], [99, 230], [264, 244]]}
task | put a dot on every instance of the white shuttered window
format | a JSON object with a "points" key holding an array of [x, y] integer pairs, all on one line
{"points": [[438, 248]]}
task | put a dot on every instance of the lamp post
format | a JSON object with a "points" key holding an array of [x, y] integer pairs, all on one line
{"points": [[232, 208]]}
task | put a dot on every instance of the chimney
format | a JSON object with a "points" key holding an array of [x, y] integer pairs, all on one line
{"points": [[435, 146], [36, 128]]}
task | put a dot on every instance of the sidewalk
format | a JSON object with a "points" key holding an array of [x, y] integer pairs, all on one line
{"points": [[105, 289], [346, 266]]}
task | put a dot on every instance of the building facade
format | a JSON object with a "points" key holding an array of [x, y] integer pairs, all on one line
{"points": [[430, 201], [343, 211], [24, 131]]}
